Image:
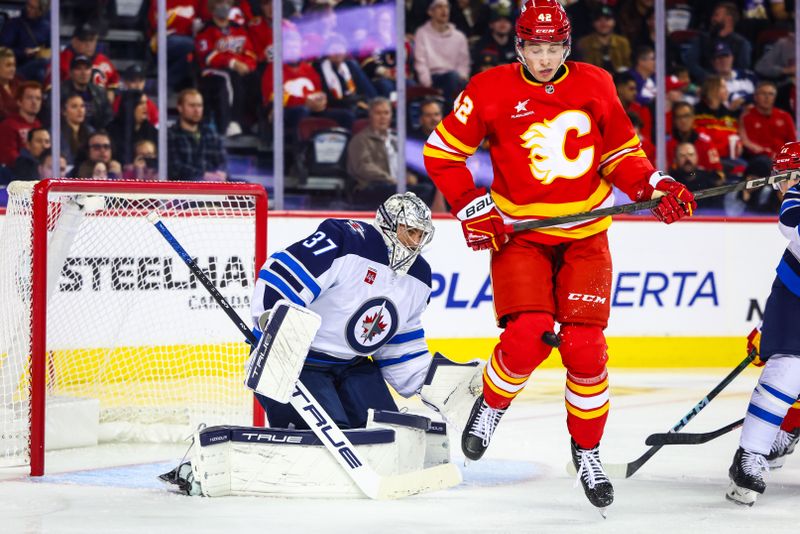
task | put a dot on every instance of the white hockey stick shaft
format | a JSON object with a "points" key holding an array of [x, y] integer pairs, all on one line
{"points": [[335, 441]]}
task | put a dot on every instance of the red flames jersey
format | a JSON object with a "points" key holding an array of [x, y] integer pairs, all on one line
{"points": [[556, 148], [216, 47]]}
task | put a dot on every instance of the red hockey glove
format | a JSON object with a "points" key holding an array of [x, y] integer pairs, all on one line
{"points": [[677, 203], [481, 221], [754, 343]]}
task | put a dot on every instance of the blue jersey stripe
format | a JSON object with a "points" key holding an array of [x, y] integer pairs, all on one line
{"points": [[789, 278], [764, 415], [298, 270], [779, 394], [280, 286], [400, 359], [405, 337]]}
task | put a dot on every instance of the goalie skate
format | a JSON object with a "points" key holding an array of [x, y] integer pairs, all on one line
{"points": [[747, 477], [183, 478], [782, 447]]}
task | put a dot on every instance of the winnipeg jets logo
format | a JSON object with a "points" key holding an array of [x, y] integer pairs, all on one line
{"points": [[547, 143], [356, 228], [372, 325]]}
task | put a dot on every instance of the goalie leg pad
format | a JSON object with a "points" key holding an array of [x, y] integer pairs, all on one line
{"points": [[276, 362], [286, 463], [451, 388]]}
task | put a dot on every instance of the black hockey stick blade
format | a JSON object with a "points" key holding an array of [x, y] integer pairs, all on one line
{"points": [[754, 183], [678, 438]]}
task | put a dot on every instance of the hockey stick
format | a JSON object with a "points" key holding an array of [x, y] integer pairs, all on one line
{"points": [[628, 469], [686, 438], [754, 183], [369, 482]]}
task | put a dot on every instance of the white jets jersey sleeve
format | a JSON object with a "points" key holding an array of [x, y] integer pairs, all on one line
{"points": [[341, 272]]}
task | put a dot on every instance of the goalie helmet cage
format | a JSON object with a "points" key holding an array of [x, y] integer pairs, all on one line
{"points": [[95, 308]]}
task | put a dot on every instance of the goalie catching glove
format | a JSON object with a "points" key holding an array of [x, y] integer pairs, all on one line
{"points": [[676, 203], [481, 221]]}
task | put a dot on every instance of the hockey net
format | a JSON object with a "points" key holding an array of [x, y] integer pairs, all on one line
{"points": [[105, 334]]}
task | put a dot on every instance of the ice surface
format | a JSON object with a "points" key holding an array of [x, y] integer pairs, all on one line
{"points": [[521, 485]]}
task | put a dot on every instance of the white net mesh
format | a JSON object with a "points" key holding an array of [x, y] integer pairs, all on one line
{"points": [[127, 322]]}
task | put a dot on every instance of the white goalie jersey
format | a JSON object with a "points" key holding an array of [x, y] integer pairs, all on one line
{"points": [[342, 273]]}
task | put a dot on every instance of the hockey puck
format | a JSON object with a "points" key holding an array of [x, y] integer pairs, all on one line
{"points": [[550, 338]]}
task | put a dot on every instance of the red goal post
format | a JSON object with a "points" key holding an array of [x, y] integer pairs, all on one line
{"points": [[102, 321]]}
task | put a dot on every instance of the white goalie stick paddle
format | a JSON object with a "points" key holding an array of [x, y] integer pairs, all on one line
{"points": [[369, 482]]}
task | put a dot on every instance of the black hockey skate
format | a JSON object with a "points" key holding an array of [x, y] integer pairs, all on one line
{"points": [[182, 477], [593, 478], [747, 477], [479, 428], [782, 447]]}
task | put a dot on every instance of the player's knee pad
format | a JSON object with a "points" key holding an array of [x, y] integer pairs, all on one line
{"points": [[583, 349], [521, 345]]}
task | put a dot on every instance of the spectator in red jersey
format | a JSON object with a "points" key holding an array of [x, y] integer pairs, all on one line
{"points": [[303, 93], [603, 47], [26, 165], [84, 43], [133, 79], [239, 13], [29, 37], [14, 129], [674, 89], [441, 53], [9, 82], [182, 15], [228, 62], [260, 30], [684, 131], [627, 91], [714, 118], [498, 43], [764, 129], [74, 129]]}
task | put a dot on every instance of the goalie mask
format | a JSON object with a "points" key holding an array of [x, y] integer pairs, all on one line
{"points": [[405, 223], [542, 21]]}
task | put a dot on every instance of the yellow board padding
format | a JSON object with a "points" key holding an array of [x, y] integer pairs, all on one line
{"points": [[632, 352]]}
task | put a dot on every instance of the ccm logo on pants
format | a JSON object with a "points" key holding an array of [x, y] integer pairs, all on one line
{"points": [[586, 298]]}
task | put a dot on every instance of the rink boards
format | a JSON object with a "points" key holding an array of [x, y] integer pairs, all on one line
{"points": [[684, 295]]}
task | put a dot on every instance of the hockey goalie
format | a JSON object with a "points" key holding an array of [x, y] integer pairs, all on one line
{"points": [[338, 315]]}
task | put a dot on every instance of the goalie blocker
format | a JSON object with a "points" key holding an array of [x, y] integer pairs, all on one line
{"points": [[228, 460]]}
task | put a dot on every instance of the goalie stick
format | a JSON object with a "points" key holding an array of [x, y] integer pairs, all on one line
{"points": [[371, 483], [627, 470], [754, 183], [687, 438]]}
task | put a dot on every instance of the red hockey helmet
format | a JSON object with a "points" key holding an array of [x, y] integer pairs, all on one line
{"points": [[788, 158], [543, 20]]}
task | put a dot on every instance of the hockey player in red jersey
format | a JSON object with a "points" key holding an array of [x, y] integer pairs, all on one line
{"points": [[559, 139]]}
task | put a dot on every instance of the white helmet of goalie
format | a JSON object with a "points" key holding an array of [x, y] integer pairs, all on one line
{"points": [[405, 223]]}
